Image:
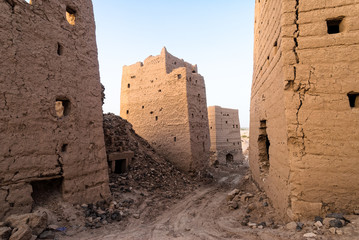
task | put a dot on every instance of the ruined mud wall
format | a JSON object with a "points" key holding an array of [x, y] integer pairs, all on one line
{"points": [[47, 60], [225, 135], [324, 117], [164, 99], [309, 104], [269, 164]]}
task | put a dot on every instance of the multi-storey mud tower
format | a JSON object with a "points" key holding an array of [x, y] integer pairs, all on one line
{"points": [[164, 99], [304, 136], [225, 135], [50, 104]]}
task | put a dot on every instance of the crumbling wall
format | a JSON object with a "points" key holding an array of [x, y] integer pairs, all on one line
{"points": [[303, 111], [157, 100], [269, 160], [225, 135], [322, 123], [47, 60]]}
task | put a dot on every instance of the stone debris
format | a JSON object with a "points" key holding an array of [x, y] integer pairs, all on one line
{"points": [[318, 224], [310, 235], [291, 226], [232, 194], [5, 232]]}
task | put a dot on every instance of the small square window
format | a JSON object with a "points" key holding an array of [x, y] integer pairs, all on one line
{"points": [[335, 25], [353, 99]]}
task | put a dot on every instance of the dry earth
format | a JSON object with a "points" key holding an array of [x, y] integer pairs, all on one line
{"points": [[206, 214]]}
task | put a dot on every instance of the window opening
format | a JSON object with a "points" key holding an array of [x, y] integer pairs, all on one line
{"points": [[229, 158], [353, 99], [263, 147], [64, 148], [70, 15], [62, 107], [335, 25], [60, 49]]}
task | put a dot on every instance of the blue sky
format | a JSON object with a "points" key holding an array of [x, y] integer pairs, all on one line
{"points": [[215, 35]]}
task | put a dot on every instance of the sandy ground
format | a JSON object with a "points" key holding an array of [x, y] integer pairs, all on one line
{"points": [[206, 213]]}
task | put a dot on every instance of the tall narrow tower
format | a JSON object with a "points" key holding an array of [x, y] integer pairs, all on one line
{"points": [[164, 99]]}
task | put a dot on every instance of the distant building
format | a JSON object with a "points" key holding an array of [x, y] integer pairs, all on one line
{"points": [[225, 135], [164, 99]]}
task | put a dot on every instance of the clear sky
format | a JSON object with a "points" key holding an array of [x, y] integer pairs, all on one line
{"points": [[216, 35]]}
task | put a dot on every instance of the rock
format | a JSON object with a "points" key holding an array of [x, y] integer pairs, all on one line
{"points": [[2, 224], [136, 215], [232, 205], [84, 206], [318, 224], [336, 223], [310, 235], [356, 211], [326, 222], [246, 197], [262, 225], [299, 226], [36, 221], [245, 221], [5, 232], [265, 204], [332, 230], [232, 194], [47, 235], [251, 207], [53, 227], [339, 232], [23, 232], [318, 218], [291, 226], [335, 215], [252, 225]]}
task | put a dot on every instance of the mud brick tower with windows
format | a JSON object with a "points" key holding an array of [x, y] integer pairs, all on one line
{"points": [[304, 126]]}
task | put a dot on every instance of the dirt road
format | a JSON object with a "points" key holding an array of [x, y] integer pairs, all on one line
{"points": [[204, 214]]}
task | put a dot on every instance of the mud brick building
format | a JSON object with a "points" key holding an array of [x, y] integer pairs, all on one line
{"points": [[164, 98], [225, 135], [51, 136], [304, 136]]}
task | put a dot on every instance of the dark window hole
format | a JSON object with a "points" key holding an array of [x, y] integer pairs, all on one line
{"points": [[353, 99], [120, 166], [334, 25], [64, 148], [60, 49]]}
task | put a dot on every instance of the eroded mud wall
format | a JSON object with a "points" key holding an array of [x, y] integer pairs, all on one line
{"points": [[322, 108], [47, 60], [268, 154], [311, 150]]}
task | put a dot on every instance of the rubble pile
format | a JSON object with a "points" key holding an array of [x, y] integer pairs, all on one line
{"points": [[147, 171]]}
